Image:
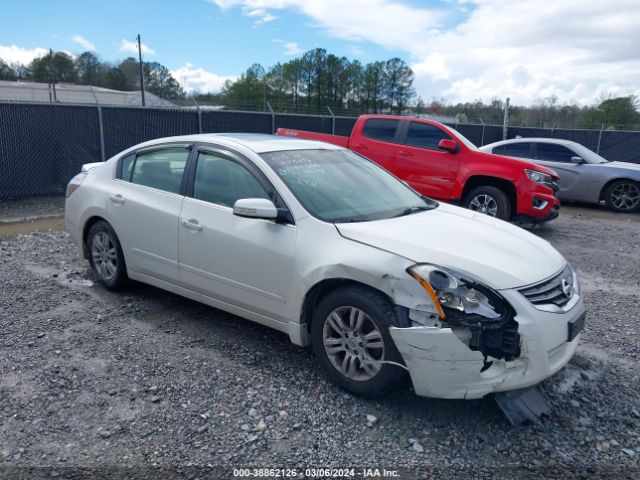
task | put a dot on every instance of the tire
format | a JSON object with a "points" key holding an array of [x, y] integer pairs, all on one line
{"points": [[104, 250], [367, 379], [623, 196], [488, 200]]}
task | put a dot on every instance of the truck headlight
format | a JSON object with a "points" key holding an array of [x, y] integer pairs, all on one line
{"points": [[456, 297], [539, 177]]}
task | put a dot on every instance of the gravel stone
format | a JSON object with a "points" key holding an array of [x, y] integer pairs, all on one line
{"points": [[59, 393]]}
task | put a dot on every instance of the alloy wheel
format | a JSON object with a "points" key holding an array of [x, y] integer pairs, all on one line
{"points": [[353, 343], [625, 196], [484, 203], [104, 255]]}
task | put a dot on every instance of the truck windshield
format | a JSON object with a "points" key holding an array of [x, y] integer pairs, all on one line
{"points": [[340, 186]]}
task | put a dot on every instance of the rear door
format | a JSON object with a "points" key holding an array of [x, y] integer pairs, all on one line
{"points": [[144, 204], [246, 262], [573, 177], [423, 165], [378, 140]]}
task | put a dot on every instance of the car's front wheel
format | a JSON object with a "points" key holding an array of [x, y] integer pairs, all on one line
{"points": [[105, 256], [623, 196], [350, 337], [490, 201]]}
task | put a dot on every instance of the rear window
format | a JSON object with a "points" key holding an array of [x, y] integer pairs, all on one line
{"points": [[380, 129]]}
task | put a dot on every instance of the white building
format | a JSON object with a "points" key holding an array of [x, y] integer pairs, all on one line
{"points": [[26, 91]]}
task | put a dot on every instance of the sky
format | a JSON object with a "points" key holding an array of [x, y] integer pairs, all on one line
{"points": [[460, 50]]}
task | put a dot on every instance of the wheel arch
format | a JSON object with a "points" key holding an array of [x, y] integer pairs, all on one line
{"points": [[91, 221], [323, 288], [611, 181], [507, 186]]}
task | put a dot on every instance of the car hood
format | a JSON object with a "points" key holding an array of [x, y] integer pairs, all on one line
{"points": [[491, 251], [517, 162]]}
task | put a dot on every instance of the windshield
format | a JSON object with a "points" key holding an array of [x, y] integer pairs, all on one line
{"points": [[341, 186], [587, 155]]}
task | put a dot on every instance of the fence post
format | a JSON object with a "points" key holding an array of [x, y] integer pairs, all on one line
{"points": [[333, 121], [273, 117], [101, 130], [455, 125], [599, 139], [482, 139], [505, 122], [199, 116]]}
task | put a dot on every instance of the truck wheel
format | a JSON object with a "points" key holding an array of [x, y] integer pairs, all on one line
{"points": [[350, 337], [623, 196], [488, 200]]}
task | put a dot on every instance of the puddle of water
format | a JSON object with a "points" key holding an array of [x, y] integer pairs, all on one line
{"points": [[31, 226]]}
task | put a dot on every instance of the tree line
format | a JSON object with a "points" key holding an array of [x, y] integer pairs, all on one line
{"points": [[318, 79], [87, 69], [607, 112]]}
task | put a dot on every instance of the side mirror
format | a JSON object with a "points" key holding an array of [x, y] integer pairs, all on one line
{"points": [[577, 160], [448, 145], [255, 208]]}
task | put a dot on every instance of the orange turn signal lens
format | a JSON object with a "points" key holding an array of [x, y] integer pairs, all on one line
{"points": [[430, 292]]}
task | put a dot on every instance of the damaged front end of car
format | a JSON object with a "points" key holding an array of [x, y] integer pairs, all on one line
{"points": [[462, 340]]}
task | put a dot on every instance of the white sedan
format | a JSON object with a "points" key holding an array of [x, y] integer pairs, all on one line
{"points": [[322, 244]]}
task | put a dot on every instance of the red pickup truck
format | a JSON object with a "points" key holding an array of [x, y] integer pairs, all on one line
{"points": [[439, 162]]}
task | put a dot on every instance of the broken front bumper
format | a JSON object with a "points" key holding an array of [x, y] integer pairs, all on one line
{"points": [[442, 366]]}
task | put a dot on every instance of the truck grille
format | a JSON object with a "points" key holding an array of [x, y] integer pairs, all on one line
{"points": [[555, 291]]}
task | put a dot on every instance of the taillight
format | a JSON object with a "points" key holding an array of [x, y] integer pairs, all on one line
{"points": [[75, 182]]}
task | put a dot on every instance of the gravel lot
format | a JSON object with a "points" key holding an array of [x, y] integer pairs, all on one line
{"points": [[146, 383]]}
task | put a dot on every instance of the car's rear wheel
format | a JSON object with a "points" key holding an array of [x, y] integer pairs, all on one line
{"points": [[623, 196], [350, 337], [490, 201], [105, 256]]}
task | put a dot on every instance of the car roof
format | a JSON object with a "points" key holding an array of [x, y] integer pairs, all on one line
{"points": [[558, 141], [257, 142]]}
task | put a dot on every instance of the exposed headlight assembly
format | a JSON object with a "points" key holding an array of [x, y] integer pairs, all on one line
{"points": [[459, 301]]}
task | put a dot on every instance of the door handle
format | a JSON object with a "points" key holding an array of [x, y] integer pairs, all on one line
{"points": [[116, 198], [360, 146], [192, 224], [404, 153]]}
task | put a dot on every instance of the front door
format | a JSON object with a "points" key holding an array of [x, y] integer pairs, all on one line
{"points": [[574, 180], [423, 165], [245, 262]]}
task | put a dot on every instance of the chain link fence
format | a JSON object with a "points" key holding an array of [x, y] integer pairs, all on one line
{"points": [[43, 145]]}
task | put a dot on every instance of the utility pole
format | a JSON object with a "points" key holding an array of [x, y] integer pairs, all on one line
{"points": [[505, 123], [141, 72], [52, 78]]}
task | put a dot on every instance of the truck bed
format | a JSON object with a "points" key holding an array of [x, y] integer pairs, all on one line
{"points": [[322, 137]]}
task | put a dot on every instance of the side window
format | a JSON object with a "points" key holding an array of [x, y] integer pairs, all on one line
{"points": [[554, 153], [126, 167], [517, 149], [380, 129], [221, 180], [424, 135], [499, 150], [161, 169]]}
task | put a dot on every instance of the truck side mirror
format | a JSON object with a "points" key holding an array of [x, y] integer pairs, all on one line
{"points": [[448, 145]]}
